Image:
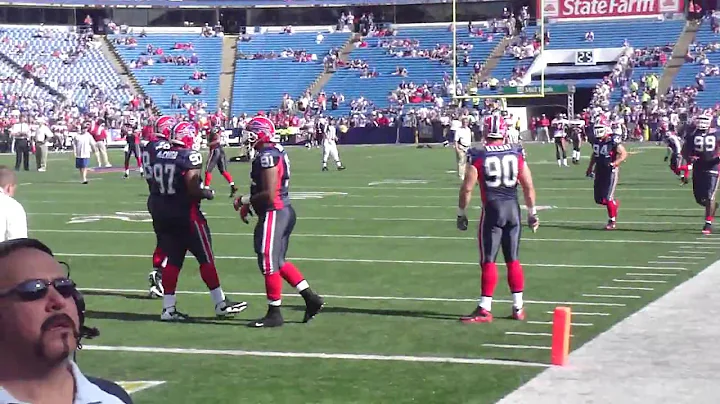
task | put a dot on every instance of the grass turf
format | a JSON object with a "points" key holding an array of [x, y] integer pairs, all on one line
{"points": [[366, 245]]}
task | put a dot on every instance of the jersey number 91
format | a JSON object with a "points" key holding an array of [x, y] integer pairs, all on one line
{"points": [[501, 171]]}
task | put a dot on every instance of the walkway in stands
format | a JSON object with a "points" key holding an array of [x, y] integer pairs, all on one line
{"points": [[665, 353]]}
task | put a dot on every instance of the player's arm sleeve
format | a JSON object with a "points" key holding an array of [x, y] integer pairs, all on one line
{"points": [[269, 164]]}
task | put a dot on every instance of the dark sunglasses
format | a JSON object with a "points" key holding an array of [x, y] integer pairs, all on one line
{"points": [[36, 289]]}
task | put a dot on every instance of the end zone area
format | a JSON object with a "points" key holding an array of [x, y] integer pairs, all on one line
{"points": [[379, 241]]}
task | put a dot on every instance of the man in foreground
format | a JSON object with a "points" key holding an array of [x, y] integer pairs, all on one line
{"points": [[498, 168], [270, 175], [41, 324]]}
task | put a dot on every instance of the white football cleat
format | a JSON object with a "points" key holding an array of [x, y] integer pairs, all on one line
{"points": [[171, 314], [156, 287], [228, 308]]}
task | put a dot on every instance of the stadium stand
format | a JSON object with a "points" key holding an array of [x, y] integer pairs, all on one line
{"points": [[268, 66], [65, 62], [638, 33], [705, 44], [176, 77], [420, 70]]}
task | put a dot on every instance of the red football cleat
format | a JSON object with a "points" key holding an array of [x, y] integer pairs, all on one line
{"points": [[518, 314], [480, 315], [610, 225]]}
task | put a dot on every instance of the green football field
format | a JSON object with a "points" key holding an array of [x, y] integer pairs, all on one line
{"points": [[379, 241]]}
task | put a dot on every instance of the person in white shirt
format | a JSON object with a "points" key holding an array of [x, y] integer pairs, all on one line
{"points": [[41, 326], [13, 220], [463, 139], [329, 146], [42, 136], [21, 135], [83, 144]]}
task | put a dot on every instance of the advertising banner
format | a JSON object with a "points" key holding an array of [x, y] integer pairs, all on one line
{"points": [[567, 9]]}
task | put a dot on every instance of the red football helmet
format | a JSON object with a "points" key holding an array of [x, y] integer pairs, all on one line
{"points": [[602, 128], [184, 133], [260, 130], [164, 126]]}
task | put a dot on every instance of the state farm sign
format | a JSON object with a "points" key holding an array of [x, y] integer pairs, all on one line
{"points": [[608, 8]]}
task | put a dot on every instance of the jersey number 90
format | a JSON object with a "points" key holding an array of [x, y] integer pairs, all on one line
{"points": [[501, 171], [704, 143]]}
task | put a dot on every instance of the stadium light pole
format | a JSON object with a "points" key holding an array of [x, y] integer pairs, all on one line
{"points": [[504, 97]]}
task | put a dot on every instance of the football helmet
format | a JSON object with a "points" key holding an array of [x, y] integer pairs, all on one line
{"points": [[184, 134], [703, 122], [164, 126], [496, 127], [602, 129], [260, 130]]}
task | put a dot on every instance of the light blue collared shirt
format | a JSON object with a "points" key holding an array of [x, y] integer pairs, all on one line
{"points": [[85, 392]]}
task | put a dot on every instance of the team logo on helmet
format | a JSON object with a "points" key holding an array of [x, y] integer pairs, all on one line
{"points": [[184, 131], [261, 130], [164, 126]]}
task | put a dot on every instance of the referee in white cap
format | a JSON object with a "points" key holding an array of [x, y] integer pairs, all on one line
{"points": [[13, 220]]}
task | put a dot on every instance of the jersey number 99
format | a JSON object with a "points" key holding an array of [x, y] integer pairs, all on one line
{"points": [[704, 143], [501, 171]]}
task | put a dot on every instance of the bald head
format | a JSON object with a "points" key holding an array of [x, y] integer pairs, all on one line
{"points": [[8, 180]]}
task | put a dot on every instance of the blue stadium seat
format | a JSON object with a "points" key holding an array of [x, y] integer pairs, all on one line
{"points": [[260, 84], [208, 51]]}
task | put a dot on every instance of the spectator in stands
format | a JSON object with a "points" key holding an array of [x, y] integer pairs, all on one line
{"points": [[589, 36]]}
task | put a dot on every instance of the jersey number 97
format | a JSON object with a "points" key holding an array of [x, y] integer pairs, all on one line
{"points": [[501, 171]]}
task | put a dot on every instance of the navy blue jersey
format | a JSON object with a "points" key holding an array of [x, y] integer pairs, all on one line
{"points": [[605, 152], [166, 176], [149, 151], [702, 146], [498, 170], [267, 158]]}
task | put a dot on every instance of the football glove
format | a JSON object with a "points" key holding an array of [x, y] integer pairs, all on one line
{"points": [[244, 208], [590, 174], [666, 158], [462, 223], [533, 222]]}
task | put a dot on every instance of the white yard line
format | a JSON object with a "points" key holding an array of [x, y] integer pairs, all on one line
{"points": [[310, 355], [511, 346], [680, 257], [612, 296], [377, 298], [694, 252], [668, 263], [529, 334], [374, 219], [550, 323], [582, 313], [698, 247], [624, 288], [637, 281], [380, 236], [648, 274], [378, 261]]}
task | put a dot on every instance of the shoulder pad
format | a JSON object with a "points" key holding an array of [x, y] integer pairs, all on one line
{"points": [[473, 154], [617, 139], [193, 159], [268, 159]]}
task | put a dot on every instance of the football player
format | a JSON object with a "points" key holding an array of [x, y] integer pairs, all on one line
{"points": [[559, 132], [270, 181], [217, 158], [674, 154], [701, 148], [131, 133], [577, 128], [608, 153], [174, 204], [498, 168], [156, 141], [329, 147]]}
